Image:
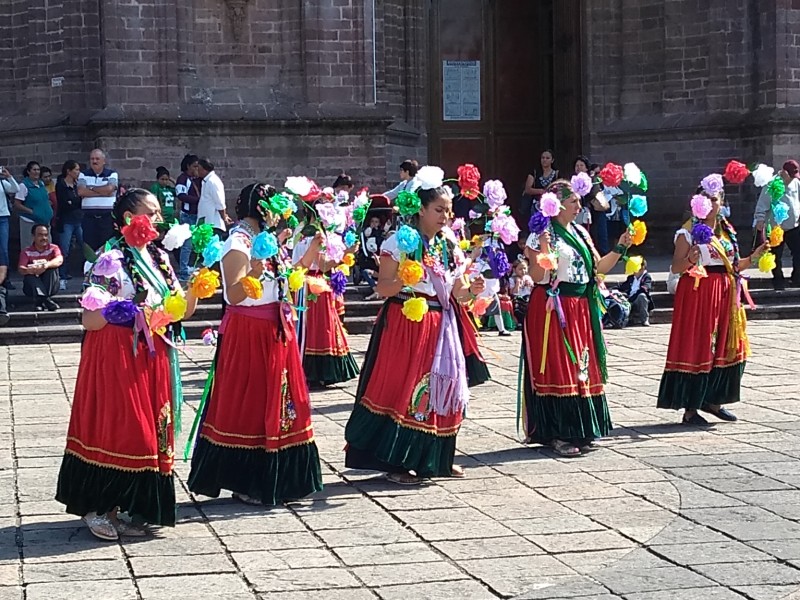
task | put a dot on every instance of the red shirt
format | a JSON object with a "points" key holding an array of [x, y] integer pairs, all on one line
{"points": [[31, 255]]}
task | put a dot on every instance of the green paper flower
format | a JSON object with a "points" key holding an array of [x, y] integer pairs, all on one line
{"points": [[776, 189], [201, 236], [408, 203]]}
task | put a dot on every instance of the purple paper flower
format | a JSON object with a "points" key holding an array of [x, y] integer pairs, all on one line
{"points": [[506, 228], [108, 263], [581, 184], [334, 247], [95, 298], [712, 184], [702, 233], [120, 312], [327, 213], [338, 282], [498, 263], [495, 193], [538, 223], [473, 215]]}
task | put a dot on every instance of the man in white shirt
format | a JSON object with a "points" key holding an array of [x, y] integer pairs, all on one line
{"points": [[212, 208], [97, 185]]}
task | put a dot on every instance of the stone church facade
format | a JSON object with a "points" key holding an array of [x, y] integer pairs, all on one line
{"points": [[268, 88]]}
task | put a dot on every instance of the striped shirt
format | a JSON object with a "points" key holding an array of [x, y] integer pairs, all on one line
{"points": [[89, 178]]}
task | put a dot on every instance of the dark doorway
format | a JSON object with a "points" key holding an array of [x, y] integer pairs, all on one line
{"points": [[505, 85]]}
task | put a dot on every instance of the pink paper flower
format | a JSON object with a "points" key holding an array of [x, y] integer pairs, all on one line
{"points": [[506, 228], [108, 263], [334, 247], [581, 184], [327, 213], [473, 215], [550, 205], [495, 193], [95, 298], [701, 206], [458, 224]]}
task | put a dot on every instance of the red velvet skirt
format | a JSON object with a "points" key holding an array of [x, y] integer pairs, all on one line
{"points": [[561, 376], [121, 413], [324, 333], [259, 398]]}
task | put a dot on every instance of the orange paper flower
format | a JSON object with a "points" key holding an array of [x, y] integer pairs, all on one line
{"points": [[349, 259], [549, 262], [638, 232], [410, 272], [158, 319], [776, 236], [317, 285], [252, 287], [204, 283]]}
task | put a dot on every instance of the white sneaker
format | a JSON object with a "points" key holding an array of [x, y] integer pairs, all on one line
{"points": [[62, 285]]}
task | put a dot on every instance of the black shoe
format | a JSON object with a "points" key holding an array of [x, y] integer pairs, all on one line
{"points": [[504, 333], [50, 304], [722, 413], [4, 319], [695, 420], [39, 306]]}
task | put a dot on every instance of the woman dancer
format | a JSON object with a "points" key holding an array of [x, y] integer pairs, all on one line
{"points": [[564, 354], [255, 437], [413, 390], [119, 453], [708, 344]]}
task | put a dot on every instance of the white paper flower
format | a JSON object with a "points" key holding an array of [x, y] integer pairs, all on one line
{"points": [[429, 177], [762, 175], [362, 199], [633, 174], [176, 236], [299, 186]]}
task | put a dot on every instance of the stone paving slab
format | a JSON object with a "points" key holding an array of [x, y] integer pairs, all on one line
{"points": [[660, 512]]}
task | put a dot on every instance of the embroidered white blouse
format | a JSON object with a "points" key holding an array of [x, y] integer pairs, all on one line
{"points": [[709, 255], [424, 286], [571, 266]]}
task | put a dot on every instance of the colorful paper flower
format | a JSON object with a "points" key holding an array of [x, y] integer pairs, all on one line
{"points": [[176, 236], [762, 175], [204, 283], [780, 212], [735, 172], [538, 223], [350, 238], [317, 285], [213, 252], [767, 262], [209, 337], [474, 214], [349, 259], [498, 263], [338, 282], [776, 188], [712, 184], [362, 198], [547, 260], [495, 193], [464, 245], [327, 213], [265, 245], [175, 306], [95, 298], [157, 319], [252, 287], [410, 272], [334, 247], [414, 309], [701, 206], [632, 174], [776, 236], [633, 264], [638, 232], [480, 305], [201, 236], [408, 203], [637, 205], [550, 205], [457, 224], [581, 184], [702, 233], [359, 214], [297, 279], [611, 175], [139, 232], [469, 179], [108, 263], [120, 312], [506, 227], [429, 177], [408, 239]]}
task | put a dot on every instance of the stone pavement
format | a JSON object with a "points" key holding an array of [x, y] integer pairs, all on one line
{"points": [[661, 512]]}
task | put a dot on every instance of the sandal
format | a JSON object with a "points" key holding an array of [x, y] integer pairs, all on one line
{"points": [[101, 527], [457, 471], [565, 449], [249, 500], [404, 478], [588, 447]]}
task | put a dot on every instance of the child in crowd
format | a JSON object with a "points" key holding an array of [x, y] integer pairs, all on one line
{"points": [[164, 190], [520, 287], [637, 290], [371, 240]]}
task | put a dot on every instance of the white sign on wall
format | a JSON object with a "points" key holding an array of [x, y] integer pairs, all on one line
{"points": [[461, 90]]}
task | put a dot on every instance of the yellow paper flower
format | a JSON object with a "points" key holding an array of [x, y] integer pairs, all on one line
{"points": [[252, 287], [767, 262], [175, 306], [415, 308], [477, 241], [349, 259], [204, 283], [410, 272], [464, 245], [344, 269], [297, 279], [638, 232], [633, 264], [776, 236], [549, 262]]}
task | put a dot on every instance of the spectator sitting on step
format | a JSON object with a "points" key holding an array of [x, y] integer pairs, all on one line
{"points": [[38, 264], [637, 288]]}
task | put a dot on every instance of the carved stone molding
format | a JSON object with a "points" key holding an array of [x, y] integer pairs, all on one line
{"points": [[237, 13]]}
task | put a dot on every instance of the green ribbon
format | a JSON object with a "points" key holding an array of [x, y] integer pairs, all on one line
{"points": [[200, 409], [588, 290]]}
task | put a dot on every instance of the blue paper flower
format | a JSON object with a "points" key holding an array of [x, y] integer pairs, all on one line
{"points": [[120, 312], [213, 252], [349, 238], [408, 239], [265, 245], [702, 233], [780, 212], [638, 205], [538, 223]]}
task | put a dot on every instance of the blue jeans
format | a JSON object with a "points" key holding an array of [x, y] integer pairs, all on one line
{"points": [[186, 249], [4, 241], [599, 231], [65, 243]]}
